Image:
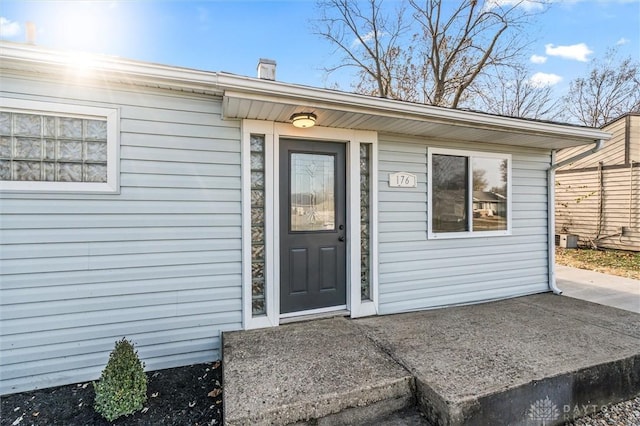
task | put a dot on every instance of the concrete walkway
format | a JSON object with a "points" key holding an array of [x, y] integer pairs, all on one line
{"points": [[610, 290], [495, 363]]}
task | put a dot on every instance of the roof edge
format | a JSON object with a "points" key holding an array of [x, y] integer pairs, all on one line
{"points": [[54, 62], [251, 87], [109, 68]]}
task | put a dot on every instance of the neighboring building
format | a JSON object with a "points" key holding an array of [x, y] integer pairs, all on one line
{"points": [[489, 204], [169, 205], [598, 197]]}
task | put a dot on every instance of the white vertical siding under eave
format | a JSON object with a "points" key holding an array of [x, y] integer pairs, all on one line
{"points": [[417, 273], [158, 263]]}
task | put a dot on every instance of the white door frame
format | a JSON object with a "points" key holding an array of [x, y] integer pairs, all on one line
{"points": [[273, 132]]}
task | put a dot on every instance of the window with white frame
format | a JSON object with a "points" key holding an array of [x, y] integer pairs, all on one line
{"points": [[57, 147], [469, 193]]}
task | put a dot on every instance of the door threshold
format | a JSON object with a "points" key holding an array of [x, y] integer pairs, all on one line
{"points": [[315, 316]]}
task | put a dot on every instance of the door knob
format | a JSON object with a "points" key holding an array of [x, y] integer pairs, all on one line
{"points": [[341, 238]]}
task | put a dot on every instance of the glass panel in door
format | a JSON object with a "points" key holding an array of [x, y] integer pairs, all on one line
{"points": [[313, 206]]}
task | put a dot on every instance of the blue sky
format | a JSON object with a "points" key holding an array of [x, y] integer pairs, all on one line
{"points": [[231, 35]]}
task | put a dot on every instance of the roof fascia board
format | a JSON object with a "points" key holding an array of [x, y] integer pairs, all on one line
{"points": [[249, 88], [49, 62]]}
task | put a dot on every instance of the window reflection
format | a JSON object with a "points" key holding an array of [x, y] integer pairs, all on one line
{"points": [[489, 194], [449, 193], [469, 193], [312, 192]]}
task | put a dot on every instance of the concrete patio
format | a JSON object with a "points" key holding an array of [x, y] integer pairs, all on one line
{"points": [[540, 359]]}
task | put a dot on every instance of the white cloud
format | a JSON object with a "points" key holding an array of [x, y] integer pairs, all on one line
{"points": [[366, 38], [622, 41], [8, 28], [542, 79], [572, 2], [527, 5], [538, 59], [578, 52]]}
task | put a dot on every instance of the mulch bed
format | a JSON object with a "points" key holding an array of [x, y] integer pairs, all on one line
{"points": [[177, 396]]}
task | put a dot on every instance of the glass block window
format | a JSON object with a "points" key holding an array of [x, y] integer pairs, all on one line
{"points": [[35, 147], [257, 226], [57, 147], [365, 221]]}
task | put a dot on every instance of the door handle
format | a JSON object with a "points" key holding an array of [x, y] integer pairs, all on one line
{"points": [[341, 238]]}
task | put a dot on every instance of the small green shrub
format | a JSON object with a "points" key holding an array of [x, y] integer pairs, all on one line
{"points": [[122, 389]]}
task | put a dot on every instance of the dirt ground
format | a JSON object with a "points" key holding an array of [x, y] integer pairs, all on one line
{"points": [[177, 396], [614, 262]]}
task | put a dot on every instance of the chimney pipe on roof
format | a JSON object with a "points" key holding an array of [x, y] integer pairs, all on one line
{"points": [[267, 69], [30, 32]]}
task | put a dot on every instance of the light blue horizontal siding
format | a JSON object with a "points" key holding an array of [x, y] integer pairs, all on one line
{"points": [[135, 233], [29, 251], [159, 263], [417, 273]]}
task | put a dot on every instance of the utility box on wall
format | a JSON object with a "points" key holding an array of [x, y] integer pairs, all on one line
{"points": [[567, 241]]}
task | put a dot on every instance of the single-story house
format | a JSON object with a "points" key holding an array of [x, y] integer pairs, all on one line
{"points": [[169, 205], [598, 197], [489, 204]]}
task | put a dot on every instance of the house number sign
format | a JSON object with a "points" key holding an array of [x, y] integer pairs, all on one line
{"points": [[402, 180]]}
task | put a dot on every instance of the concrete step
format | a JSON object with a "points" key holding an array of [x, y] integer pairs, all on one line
{"points": [[407, 417], [318, 372], [540, 359]]}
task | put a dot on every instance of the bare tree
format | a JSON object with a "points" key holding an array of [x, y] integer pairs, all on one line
{"points": [[432, 55], [460, 42], [368, 38], [480, 182], [611, 89], [510, 91]]}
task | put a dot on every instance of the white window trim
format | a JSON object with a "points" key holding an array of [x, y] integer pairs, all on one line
{"points": [[111, 115], [471, 233], [273, 132]]}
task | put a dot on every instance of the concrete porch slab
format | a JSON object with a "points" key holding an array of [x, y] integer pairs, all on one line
{"points": [[491, 363], [323, 369]]}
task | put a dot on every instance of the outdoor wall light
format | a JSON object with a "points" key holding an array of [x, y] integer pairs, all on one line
{"points": [[303, 120]]}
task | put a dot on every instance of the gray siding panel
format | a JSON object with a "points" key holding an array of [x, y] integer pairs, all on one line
{"points": [[613, 152], [634, 136], [603, 213], [578, 196], [417, 273], [159, 263]]}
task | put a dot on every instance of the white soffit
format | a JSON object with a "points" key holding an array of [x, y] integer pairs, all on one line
{"points": [[387, 116]]}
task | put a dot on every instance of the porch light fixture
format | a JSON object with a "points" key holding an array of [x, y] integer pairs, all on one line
{"points": [[303, 120]]}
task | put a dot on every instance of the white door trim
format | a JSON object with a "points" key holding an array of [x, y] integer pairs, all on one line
{"points": [[273, 132]]}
